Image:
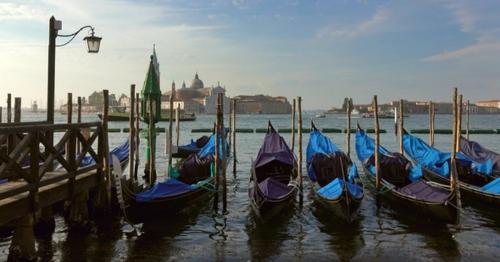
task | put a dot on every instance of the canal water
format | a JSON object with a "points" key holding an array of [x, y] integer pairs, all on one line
{"points": [[306, 232]]}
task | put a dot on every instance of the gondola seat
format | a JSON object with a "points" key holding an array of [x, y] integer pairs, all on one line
{"points": [[423, 191]]}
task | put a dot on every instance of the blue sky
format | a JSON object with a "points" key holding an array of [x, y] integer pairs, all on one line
{"points": [[320, 50]]}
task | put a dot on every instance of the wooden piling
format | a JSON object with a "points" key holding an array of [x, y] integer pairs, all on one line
{"points": [[454, 185], [9, 108], [466, 120], [301, 184], [171, 116], [79, 120], [401, 125], [69, 118], [216, 162], [377, 143], [17, 110], [459, 121], [106, 169], [137, 131], [220, 116], [292, 136], [348, 134], [430, 123], [152, 148], [177, 124], [23, 241], [1, 114], [233, 136], [131, 138]]}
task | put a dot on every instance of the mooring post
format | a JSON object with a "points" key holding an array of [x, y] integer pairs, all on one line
{"points": [[69, 118], [131, 137], [466, 121], [292, 128], [377, 143], [17, 110], [430, 123], [401, 125], [152, 147], [79, 120], [348, 133], [170, 128], [107, 171], [1, 114], [301, 182], [459, 121], [224, 153], [454, 184], [22, 246], [216, 162], [233, 144], [433, 123], [137, 132], [177, 124], [9, 108]]}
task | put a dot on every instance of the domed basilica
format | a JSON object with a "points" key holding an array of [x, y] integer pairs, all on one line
{"points": [[196, 98]]}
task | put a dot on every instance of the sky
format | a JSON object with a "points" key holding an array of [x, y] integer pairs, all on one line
{"points": [[322, 50]]}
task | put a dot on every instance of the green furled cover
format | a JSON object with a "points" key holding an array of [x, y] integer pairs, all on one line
{"points": [[151, 90]]}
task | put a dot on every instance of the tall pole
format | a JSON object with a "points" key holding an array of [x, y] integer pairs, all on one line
{"points": [[459, 121], [454, 183], [233, 136], [433, 121], [51, 71], [131, 138], [9, 108], [467, 119], [377, 144], [292, 138], [401, 115], [177, 124], [107, 171], [152, 153], [170, 118], [348, 135], [220, 115], [301, 184], [137, 131], [1, 114], [17, 110], [430, 123], [79, 120]]}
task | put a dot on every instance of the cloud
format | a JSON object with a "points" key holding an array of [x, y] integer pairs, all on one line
{"points": [[375, 24], [462, 15], [474, 51], [16, 12]]}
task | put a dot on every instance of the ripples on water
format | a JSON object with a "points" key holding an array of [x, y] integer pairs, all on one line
{"points": [[302, 233]]}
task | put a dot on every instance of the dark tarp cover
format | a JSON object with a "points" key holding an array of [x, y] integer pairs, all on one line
{"points": [[320, 144], [478, 153], [438, 161], [423, 191], [365, 147], [273, 188], [274, 148]]}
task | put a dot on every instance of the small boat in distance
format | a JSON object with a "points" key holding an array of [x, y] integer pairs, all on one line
{"points": [[274, 180], [334, 176], [321, 115], [121, 116]]}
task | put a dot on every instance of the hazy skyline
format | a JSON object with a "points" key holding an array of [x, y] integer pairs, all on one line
{"points": [[320, 50]]}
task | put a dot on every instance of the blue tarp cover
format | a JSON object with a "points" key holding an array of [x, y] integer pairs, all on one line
{"points": [[170, 187], [438, 161], [492, 187], [121, 152], [365, 147], [209, 148], [334, 190]]}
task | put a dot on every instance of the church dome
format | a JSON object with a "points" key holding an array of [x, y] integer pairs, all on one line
{"points": [[196, 83]]}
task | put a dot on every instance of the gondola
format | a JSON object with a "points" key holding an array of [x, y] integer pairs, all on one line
{"points": [[335, 179], [274, 181], [480, 154], [475, 180], [192, 182], [402, 182], [186, 150]]}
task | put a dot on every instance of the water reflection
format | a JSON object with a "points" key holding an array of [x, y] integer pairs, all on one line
{"points": [[266, 234], [346, 237]]}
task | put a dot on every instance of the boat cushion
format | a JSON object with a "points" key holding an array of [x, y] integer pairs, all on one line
{"points": [[170, 187], [492, 187], [423, 191], [332, 190], [273, 189]]}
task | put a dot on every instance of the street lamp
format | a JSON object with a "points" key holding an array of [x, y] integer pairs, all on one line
{"points": [[93, 44]]}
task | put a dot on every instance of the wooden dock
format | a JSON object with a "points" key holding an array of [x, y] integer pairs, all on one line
{"points": [[34, 173]]}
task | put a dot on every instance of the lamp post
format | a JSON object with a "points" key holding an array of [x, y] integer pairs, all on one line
{"points": [[93, 43]]}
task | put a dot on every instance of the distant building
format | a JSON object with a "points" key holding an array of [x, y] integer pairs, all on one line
{"points": [[96, 99], [196, 98], [261, 104], [489, 103]]}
